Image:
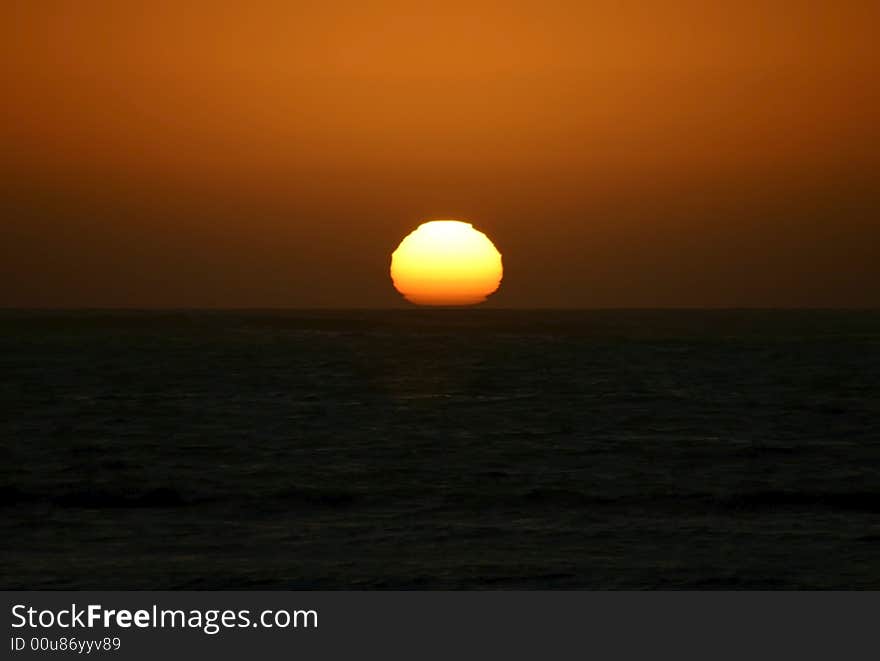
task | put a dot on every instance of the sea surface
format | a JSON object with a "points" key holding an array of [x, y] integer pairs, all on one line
{"points": [[425, 449]]}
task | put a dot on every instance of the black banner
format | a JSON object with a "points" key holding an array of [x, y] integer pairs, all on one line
{"points": [[407, 625]]}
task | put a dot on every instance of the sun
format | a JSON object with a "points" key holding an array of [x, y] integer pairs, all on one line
{"points": [[446, 262]]}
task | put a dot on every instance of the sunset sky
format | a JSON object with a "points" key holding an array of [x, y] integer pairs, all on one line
{"points": [[274, 154]]}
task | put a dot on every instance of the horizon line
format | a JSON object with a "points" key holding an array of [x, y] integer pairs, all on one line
{"points": [[416, 308]]}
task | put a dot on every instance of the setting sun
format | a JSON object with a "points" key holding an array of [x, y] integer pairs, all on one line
{"points": [[446, 262]]}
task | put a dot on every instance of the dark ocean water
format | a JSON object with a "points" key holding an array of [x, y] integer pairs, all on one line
{"points": [[440, 449]]}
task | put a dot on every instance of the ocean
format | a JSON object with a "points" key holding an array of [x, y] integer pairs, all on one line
{"points": [[440, 449]]}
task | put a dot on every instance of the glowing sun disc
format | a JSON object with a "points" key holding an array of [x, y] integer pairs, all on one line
{"points": [[446, 262]]}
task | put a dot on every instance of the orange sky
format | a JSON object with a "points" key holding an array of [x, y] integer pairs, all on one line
{"points": [[273, 154]]}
